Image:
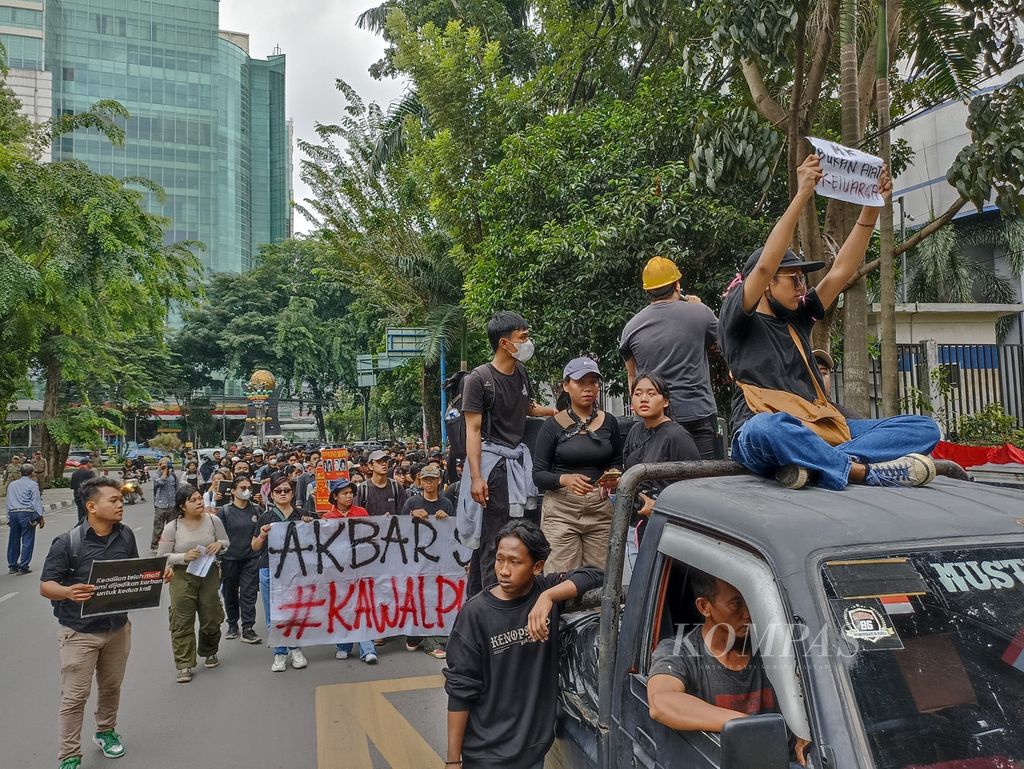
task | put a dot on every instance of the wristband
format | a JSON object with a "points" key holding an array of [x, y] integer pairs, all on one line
{"points": [[450, 763], [862, 224]]}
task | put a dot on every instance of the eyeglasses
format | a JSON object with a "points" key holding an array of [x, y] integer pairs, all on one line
{"points": [[799, 278], [283, 490]]}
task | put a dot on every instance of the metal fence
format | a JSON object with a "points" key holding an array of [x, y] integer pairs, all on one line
{"points": [[948, 381]]}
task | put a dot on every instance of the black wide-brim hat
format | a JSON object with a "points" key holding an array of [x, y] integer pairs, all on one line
{"points": [[789, 260]]}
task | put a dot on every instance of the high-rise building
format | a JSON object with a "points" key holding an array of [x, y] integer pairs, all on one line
{"points": [[207, 121], [22, 32]]}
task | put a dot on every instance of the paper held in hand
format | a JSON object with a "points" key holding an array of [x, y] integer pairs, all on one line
{"points": [[201, 565], [849, 175]]}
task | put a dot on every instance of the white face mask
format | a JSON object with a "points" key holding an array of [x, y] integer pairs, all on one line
{"points": [[524, 351], [244, 495]]}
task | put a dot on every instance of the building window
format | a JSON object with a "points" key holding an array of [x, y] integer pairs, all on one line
{"points": [[69, 73]]}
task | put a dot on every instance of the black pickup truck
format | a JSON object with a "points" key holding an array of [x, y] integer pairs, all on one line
{"points": [[890, 622]]}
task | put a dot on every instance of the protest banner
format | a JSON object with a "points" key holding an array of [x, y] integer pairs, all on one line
{"points": [[334, 466], [356, 579], [849, 175], [127, 584]]}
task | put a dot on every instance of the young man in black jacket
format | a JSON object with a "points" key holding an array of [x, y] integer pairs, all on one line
{"points": [[502, 672]]}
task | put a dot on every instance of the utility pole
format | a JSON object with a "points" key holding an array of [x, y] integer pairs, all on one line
{"points": [[887, 283]]}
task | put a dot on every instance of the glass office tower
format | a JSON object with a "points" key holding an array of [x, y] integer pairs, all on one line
{"points": [[207, 121]]}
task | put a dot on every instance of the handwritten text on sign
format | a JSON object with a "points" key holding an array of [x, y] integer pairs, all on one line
{"points": [[850, 175], [355, 579]]}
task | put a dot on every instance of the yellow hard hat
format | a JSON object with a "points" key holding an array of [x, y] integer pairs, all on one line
{"points": [[660, 272]]}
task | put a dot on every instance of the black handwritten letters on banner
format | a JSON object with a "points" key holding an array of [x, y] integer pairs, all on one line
{"points": [[849, 175], [355, 579]]}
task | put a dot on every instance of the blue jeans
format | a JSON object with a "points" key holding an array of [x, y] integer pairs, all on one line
{"points": [[22, 540], [766, 442], [265, 592], [365, 647]]}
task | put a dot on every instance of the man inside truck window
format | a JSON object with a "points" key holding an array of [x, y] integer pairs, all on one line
{"points": [[704, 678]]}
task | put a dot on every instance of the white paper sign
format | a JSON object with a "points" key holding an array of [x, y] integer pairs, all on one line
{"points": [[201, 565], [850, 175], [356, 579]]}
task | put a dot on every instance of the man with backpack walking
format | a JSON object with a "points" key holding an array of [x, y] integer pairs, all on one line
{"points": [[379, 494], [93, 645]]}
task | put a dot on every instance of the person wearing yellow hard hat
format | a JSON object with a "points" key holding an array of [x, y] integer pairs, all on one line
{"points": [[670, 338]]}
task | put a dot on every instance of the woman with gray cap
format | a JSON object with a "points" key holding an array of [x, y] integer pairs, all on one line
{"points": [[575, 450]]}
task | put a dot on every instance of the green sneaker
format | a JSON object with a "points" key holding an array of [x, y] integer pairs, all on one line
{"points": [[71, 762], [109, 742]]}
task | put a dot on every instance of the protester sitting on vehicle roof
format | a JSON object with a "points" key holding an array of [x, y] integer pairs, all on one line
{"points": [[783, 425], [701, 680]]}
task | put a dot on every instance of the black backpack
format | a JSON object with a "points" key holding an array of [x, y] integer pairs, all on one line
{"points": [[455, 422], [74, 540]]}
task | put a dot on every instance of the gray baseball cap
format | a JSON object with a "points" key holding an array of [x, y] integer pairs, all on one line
{"points": [[578, 368]]}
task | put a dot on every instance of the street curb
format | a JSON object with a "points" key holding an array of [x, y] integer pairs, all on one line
{"points": [[53, 507]]}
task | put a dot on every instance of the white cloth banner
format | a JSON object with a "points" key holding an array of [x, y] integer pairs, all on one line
{"points": [[850, 175], [356, 579]]}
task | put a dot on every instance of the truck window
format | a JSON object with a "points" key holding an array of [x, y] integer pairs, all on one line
{"points": [[674, 611], [935, 654]]}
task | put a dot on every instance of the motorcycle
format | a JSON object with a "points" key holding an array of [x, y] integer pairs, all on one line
{"points": [[130, 490]]}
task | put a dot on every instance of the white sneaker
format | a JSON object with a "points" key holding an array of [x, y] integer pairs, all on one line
{"points": [[341, 655], [909, 470], [298, 659], [370, 659], [280, 663]]}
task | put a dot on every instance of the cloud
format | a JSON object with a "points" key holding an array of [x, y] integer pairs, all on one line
{"points": [[322, 43]]}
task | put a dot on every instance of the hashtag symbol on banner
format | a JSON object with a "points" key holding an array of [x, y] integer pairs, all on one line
{"points": [[301, 611]]}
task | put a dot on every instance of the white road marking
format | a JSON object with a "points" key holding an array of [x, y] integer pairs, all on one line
{"points": [[9, 595]]}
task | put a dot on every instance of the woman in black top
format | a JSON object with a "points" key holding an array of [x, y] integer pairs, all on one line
{"points": [[656, 437], [574, 449]]}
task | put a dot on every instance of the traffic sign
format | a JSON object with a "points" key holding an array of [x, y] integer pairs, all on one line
{"points": [[405, 342]]}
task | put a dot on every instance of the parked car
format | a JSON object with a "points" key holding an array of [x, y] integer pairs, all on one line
{"points": [[148, 454], [890, 622], [75, 457]]}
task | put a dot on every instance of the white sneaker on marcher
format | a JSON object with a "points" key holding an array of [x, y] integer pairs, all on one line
{"points": [[909, 470], [298, 659], [340, 655], [280, 663], [370, 659]]}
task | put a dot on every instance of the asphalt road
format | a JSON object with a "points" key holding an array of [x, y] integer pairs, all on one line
{"points": [[332, 715]]}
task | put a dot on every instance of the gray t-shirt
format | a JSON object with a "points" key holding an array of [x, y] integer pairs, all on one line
{"points": [[689, 660], [671, 339]]}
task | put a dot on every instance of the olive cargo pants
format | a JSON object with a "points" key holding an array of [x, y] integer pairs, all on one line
{"points": [[193, 596]]}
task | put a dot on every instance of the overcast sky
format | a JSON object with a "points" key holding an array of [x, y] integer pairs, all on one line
{"points": [[322, 43]]}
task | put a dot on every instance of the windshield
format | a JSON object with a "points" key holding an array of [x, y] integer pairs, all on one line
{"points": [[935, 653]]}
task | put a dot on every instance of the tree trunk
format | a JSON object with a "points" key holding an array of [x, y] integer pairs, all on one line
{"points": [[855, 332], [318, 410], [887, 288], [430, 395], [51, 407]]}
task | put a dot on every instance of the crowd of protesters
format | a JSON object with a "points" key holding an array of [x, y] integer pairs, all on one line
{"points": [[536, 517]]}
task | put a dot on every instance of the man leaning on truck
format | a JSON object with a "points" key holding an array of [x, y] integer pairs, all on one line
{"points": [[702, 680]]}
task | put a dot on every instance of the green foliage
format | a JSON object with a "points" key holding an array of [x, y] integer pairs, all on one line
{"points": [[79, 425], [994, 162], [991, 426], [165, 442], [580, 202]]}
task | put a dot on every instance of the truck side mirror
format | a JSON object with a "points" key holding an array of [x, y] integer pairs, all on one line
{"points": [[756, 742]]}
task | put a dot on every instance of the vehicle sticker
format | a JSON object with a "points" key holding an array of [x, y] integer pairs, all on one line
{"points": [[965, 576], [875, 577], [1014, 654], [866, 622], [897, 604]]}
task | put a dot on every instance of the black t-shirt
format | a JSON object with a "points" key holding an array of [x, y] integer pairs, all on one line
{"points": [[589, 454], [504, 409], [760, 351], [689, 660], [120, 543], [668, 442], [508, 683], [419, 502], [240, 523], [378, 501], [273, 515]]}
